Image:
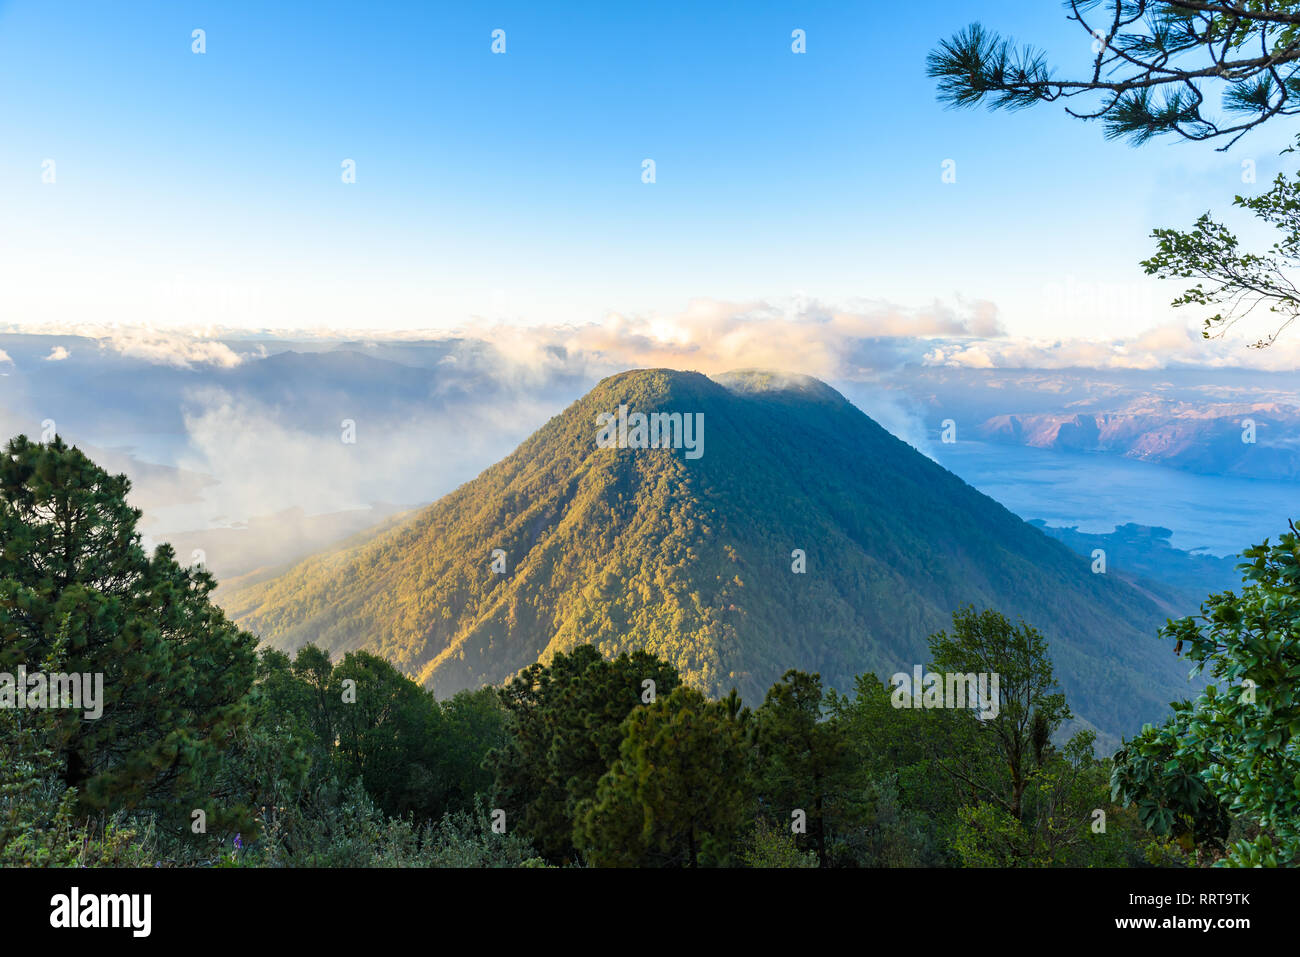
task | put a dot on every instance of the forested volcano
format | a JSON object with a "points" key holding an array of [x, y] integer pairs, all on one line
{"points": [[693, 559]]}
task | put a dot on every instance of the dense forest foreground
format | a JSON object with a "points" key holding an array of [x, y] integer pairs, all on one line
{"points": [[206, 751]]}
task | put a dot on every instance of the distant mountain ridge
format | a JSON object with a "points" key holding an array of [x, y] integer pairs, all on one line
{"points": [[1207, 439], [692, 560]]}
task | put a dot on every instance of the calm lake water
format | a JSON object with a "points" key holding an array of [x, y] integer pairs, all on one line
{"points": [[1097, 492]]}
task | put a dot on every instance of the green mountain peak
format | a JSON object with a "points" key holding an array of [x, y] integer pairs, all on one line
{"points": [[802, 535]]}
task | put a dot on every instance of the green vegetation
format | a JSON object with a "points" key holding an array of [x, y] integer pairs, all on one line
{"points": [[1232, 755], [1237, 282], [79, 593], [691, 560], [587, 760], [566, 727], [675, 795], [1158, 68]]}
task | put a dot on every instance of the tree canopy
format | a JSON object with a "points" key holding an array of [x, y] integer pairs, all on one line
{"points": [[1239, 282], [176, 673], [1154, 64], [1237, 746]]}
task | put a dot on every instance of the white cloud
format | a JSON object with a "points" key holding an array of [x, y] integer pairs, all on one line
{"points": [[1161, 347], [710, 335], [262, 466], [57, 354], [801, 334], [173, 348]]}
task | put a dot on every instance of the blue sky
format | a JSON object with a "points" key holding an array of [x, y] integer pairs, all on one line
{"points": [[196, 189]]}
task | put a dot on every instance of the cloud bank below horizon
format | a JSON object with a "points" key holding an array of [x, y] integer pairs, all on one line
{"points": [[805, 335]]}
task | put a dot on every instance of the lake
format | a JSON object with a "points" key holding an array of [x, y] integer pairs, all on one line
{"points": [[1098, 491]]}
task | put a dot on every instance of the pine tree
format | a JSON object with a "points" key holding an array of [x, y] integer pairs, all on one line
{"points": [[176, 673], [566, 727], [678, 793], [799, 756]]}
